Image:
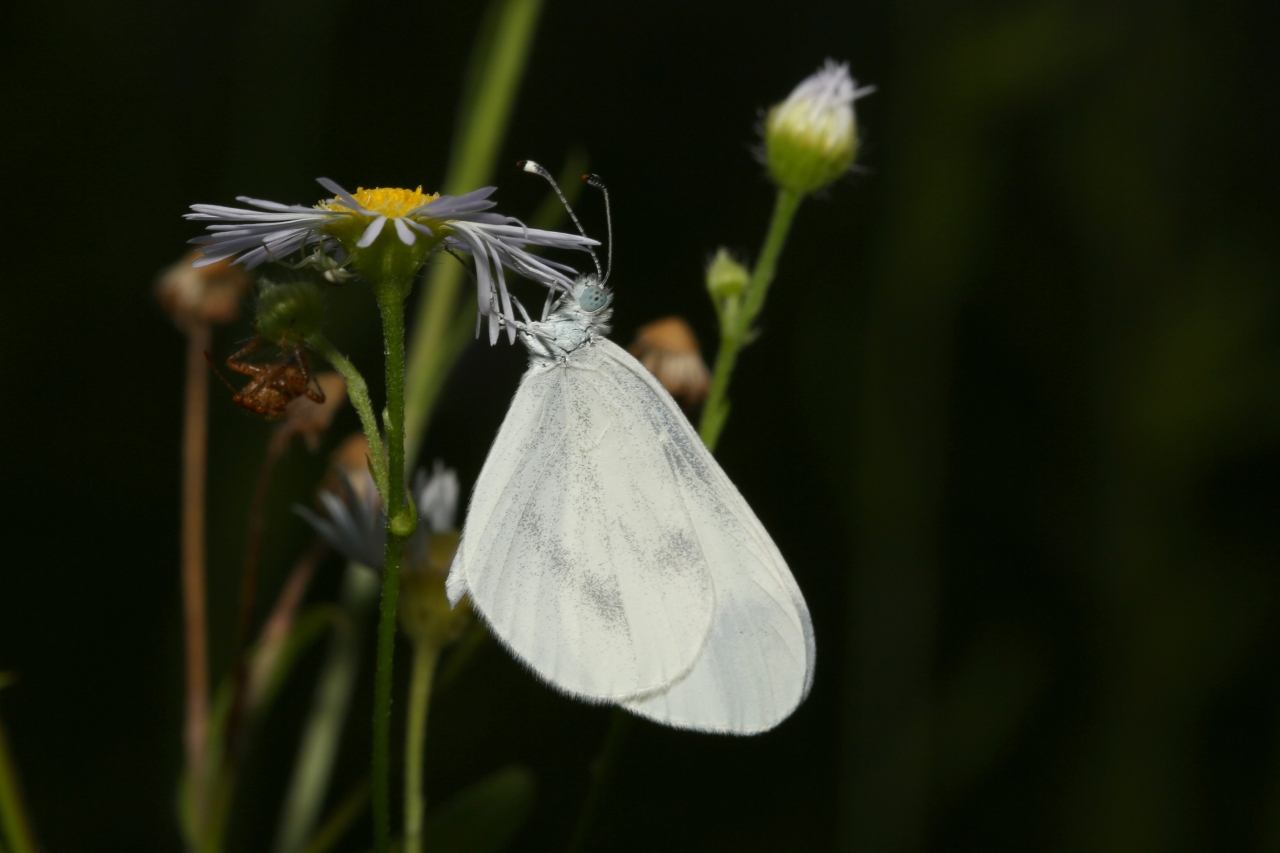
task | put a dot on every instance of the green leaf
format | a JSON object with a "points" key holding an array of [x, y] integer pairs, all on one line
{"points": [[485, 817]]}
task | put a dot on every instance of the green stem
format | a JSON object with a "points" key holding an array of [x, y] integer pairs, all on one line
{"points": [[340, 821], [425, 656], [358, 393], [737, 326], [322, 732], [400, 523], [498, 63], [16, 834], [602, 771]]}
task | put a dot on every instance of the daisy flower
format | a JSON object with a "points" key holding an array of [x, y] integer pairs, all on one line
{"points": [[353, 228]]}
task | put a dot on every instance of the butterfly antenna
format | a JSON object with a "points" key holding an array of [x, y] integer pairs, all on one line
{"points": [[537, 169], [598, 182]]}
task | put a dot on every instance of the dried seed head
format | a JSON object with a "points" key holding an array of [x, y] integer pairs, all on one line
{"points": [[208, 294], [669, 349], [309, 419]]}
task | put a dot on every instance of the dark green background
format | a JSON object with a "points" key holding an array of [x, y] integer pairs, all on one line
{"points": [[1014, 416]]}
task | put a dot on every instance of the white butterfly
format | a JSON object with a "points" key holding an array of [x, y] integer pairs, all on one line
{"points": [[610, 553]]}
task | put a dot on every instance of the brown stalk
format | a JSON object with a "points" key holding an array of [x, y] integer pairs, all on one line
{"points": [[194, 458]]}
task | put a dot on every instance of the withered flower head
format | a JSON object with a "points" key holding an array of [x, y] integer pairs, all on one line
{"points": [[208, 294], [669, 349]]}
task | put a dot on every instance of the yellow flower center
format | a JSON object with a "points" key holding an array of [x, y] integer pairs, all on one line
{"points": [[388, 201]]}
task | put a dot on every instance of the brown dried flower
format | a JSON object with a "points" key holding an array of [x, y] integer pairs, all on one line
{"points": [[669, 349], [210, 294]]}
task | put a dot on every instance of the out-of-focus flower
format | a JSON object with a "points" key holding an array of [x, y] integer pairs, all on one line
{"points": [[425, 613], [669, 349], [810, 139], [205, 294], [437, 497], [354, 522], [353, 223]]}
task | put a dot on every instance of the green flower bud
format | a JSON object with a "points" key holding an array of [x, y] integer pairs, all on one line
{"points": [[726, 277], [289, 312], [810, 139]]}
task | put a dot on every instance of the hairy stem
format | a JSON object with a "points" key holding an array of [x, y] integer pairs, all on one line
{"points": [[358, 393], [400, 523]]}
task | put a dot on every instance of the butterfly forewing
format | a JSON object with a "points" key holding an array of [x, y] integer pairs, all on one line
{"points": [[757, 663], [578, 555]]}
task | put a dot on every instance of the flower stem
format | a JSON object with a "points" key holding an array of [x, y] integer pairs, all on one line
{"points": [[425, 656], [16, 835], [736, 327], [318, 749], [194, 458], [602, 771], [249, 601], [401, 520], [358, 393]]}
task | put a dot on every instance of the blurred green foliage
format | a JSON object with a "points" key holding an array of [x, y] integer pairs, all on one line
{"points": [[1013, 415]]}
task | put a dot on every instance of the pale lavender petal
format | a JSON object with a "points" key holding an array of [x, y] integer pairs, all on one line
{"points": [[450, 206], [418, 226], [406, 234], [347, 198], [371, 233]]}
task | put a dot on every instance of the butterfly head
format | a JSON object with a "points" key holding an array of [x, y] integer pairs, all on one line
{"points": [[595, 300]]}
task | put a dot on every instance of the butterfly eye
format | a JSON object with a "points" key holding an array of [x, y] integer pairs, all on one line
{"points": [[593, 298]]}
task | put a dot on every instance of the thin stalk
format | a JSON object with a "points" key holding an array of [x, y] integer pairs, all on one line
{"points": [[425, 656], [735, 332], [318, 748], [358, 393], [400, 524], [194, 460], [249, 599], [327, 837], [602, 772], [498, 63], [16, 835]]}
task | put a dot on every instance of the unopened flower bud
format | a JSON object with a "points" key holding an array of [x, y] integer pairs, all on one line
{"points": [[726, 277], [810, 139], [289, 312], [208, 294], [669, 349]]}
